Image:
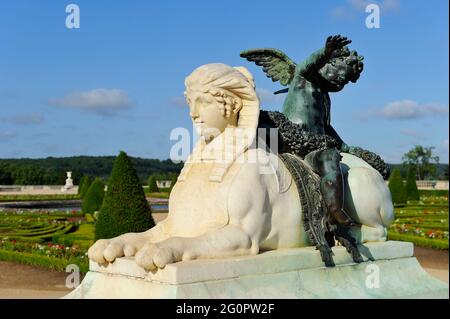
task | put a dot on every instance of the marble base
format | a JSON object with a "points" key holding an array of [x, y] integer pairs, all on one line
{"points": [[285, 273]]}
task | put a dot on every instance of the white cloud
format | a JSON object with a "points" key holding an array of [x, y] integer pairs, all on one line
{"points": [[102, 101], [407, 109]]}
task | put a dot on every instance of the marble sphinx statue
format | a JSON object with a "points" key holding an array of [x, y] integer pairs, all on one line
{"points": [[234, 198]]}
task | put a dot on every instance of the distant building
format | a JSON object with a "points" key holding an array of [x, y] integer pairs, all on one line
{"points": [[164, 184], [441, 185]]}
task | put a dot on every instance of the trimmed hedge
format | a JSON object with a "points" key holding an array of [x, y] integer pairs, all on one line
{"points": [[152, 187], [412, 193], [82, 181], [83, 189], [93, 199], [125, 208], [397, 188]]}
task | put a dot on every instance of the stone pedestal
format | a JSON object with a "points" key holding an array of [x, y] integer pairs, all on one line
{"points": [[391, 272]]}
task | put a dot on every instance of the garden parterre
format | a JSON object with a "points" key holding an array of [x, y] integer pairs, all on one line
{"points": [[423, 222], [52, 239]]}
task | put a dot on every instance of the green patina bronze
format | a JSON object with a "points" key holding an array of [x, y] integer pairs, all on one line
{"points": [[327, 70], [307, 106]]}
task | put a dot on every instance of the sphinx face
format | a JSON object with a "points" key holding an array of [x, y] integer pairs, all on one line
{"points": [[208, 115]]}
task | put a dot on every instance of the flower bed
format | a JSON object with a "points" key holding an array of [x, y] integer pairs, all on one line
{"points": [[424, 222], [48, 239]]}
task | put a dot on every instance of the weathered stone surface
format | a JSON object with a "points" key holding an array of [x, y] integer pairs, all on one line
{"points": [[284, 273]]}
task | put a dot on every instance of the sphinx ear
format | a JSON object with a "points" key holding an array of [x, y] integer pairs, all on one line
{"points": [[237, 105]]}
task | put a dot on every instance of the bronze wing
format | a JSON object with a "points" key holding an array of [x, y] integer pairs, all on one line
{"points": [[275, 63]]}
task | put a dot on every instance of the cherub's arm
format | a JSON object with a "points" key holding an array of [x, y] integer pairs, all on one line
{"points": [[319, 58]]}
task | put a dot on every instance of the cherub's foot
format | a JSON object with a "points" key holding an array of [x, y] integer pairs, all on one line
{"points": [[107, 250], [152, 256]]}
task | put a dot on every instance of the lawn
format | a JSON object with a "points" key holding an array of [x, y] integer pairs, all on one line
{"points": [[425, 222]]}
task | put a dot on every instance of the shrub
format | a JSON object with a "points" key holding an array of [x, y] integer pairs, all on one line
{"points": [[397, 188], [84, 187], [412, 193], [125, 208], [94, 197], [80, 185], [152, 187]]}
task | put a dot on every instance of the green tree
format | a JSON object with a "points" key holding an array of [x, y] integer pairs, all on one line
{"points": [[82, 181], [412, 193], [422, 160], [94, 197], [125, 208], [397, 187], [5, 177], [82, 190], [152, 187], [27, 175]]}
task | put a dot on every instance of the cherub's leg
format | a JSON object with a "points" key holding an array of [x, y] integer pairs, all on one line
{"points": [[107, 250], [326, 164], [228, 241]]}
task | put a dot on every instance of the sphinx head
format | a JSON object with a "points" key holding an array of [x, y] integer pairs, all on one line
{"points": [[216, 93], [343, 67]]}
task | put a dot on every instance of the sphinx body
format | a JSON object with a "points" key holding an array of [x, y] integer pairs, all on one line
{"points": [[224, 204]]}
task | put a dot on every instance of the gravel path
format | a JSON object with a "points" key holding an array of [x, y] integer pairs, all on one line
{"points": [[23, 281]]}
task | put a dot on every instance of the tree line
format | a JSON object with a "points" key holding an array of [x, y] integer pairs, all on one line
{"points": [[52, 170]]}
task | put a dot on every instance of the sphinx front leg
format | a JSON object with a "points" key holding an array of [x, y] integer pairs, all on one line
{"points": [[107, 250], [227, 241]]}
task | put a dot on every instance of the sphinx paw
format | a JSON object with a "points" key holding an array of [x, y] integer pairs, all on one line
{"points": [[153, 256], [107, 250]]}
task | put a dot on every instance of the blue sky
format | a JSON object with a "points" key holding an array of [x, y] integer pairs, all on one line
{"points": [[117, 82]]}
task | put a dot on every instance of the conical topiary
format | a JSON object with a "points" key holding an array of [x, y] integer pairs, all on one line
{"points": [[152, 187], [397, 187], [412, 193], [83, 188], [80, 185], [94, 197], [124, 208]]}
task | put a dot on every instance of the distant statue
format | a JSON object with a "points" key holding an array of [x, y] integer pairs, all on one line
{"points": [[308, 106], [223, 205], [69, 182]]}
